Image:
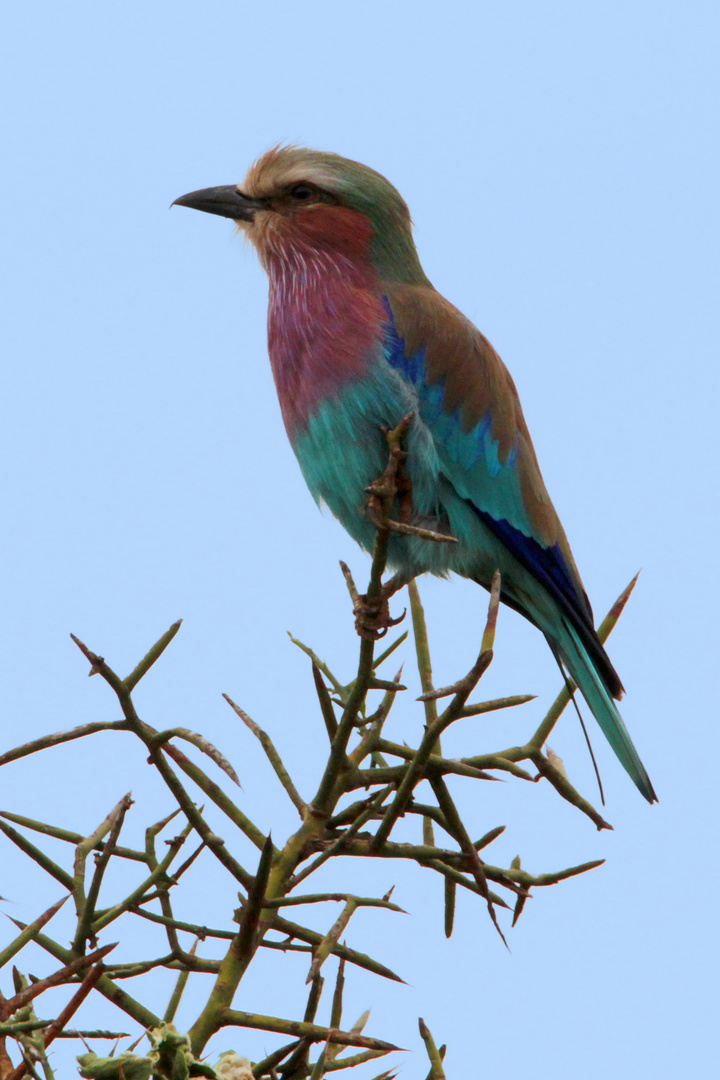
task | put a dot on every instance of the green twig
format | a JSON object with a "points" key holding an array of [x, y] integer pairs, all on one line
{"points": [[390, 649], [371, 805], [135, 897], [450, 893], [85, 906], [149, 659], [243, 946], [455, 822], [38, 856], [301, 1030], [326, 705], [178, 989], [272, 755], [331, 938], [422, 651], [148, 735], [73, 838], [221, 800], [323, 898], [337, 1002], [203, 745], [321, 665], [201, 932], [342, 951], [29, 933], [436, 1065], [106, 987], [563, 786], [60, 737]]}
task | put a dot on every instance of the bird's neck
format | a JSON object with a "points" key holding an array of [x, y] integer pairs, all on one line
{"points": [[325, 325]]}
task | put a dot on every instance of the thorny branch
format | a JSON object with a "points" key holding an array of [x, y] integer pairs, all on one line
{"points": [[333, 823]]}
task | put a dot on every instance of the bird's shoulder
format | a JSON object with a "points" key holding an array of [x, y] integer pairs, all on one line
{"points": [[468, 400], [467, 394], [430, 330]]}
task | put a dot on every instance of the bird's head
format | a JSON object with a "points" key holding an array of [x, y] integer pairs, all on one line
{"points": [[295, 201]]}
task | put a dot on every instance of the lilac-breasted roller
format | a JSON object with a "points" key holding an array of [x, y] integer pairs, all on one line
{"points": [[358, 338]]}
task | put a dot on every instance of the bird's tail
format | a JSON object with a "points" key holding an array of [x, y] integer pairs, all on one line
{"points": [[582, 669]]}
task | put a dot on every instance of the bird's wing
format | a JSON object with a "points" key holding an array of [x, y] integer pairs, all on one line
{"points": [[468, 401]]}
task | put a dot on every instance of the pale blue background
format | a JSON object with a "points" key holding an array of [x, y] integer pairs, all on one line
{"points": [[560, 161]]}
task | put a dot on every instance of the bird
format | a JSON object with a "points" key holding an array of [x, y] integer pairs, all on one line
{"points": [[359, 338]]}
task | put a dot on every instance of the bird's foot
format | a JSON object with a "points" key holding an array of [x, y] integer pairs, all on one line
{"points": [[372, 616], [372, 613]]}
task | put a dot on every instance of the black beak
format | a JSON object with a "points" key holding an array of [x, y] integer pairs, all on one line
{"points": [[226, 201]]}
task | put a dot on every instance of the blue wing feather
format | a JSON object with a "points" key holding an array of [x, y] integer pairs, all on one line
{"points": [[471, 461]]}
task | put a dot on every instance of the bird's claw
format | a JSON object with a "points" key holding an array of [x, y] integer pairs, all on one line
{"points": [[372, 617]]}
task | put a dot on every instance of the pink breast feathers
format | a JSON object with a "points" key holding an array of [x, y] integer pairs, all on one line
{"points": [[325, 316]]}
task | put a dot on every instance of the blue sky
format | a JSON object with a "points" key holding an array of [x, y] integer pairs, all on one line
{"points": [[561, 164]]}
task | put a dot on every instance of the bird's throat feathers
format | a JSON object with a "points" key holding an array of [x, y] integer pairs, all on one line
{"points": [[325, 314]]}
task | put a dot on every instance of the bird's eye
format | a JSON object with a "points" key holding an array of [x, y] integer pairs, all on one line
{"points": [[302, 192]]}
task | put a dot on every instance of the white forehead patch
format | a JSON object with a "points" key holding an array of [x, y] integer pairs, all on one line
{"points": [[281, 167]]}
